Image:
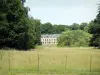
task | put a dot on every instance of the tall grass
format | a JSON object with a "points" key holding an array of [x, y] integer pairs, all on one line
{"points": [[50, 60]]}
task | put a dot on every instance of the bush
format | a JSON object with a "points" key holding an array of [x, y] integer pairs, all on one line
{"points": [[74, 38]]}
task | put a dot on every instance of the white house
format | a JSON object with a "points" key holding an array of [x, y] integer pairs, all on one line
{"points": [[49, 39]]}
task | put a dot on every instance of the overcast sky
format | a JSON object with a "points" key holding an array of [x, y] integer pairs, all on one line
{"points": [[63, 11]]}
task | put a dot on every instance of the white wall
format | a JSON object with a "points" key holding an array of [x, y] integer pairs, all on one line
{"points": [[47, 41]]}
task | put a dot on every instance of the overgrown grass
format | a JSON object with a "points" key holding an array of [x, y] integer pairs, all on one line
{"points": [[50, 60]]}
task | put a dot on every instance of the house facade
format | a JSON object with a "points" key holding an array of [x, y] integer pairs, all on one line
{"points": [[49, 39]]}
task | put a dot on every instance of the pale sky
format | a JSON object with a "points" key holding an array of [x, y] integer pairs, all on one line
{"points": [[63, 11]]}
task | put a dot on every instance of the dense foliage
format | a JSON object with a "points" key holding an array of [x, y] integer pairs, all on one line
{"points": [[16, 30], [34, 32], [48, 28], [94, 29], [74, 38]]}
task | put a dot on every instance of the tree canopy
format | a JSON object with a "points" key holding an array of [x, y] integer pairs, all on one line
{"points": [[94, 29], [74, 38], [16, 28], [48, 28]]}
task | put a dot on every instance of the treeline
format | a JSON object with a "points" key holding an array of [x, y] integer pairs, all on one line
{"points": [[17, 29], [48, 28]]}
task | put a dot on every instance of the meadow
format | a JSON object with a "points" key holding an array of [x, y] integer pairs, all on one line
{"points": [[50, 60]]}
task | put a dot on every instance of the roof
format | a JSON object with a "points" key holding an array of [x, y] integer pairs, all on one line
{"points": [[50, 35]]}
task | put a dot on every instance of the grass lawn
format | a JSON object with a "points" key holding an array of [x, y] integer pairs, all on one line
{"points": [[50, 60]]}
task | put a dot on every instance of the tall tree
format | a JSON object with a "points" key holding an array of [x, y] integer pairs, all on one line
{"points": [[13, 24], [4, 26], [95, 30]]}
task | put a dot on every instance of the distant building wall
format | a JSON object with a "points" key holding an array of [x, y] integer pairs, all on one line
{"points": [[49, 39]]}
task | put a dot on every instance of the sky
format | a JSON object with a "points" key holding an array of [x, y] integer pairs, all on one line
{"points": [[63, 11]]}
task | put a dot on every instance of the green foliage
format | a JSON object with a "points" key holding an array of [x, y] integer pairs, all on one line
{"points": [[83, 25], [94, 29], [12, 24], [17, 30], [58, 29], [31, 33], [48, 28], [37, 31], [74, 26], [91, 27], [74, 38]]}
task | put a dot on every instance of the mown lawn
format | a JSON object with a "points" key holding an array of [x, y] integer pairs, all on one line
{"points": [[50, 61]]}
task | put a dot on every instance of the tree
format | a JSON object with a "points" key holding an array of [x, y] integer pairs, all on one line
{"points": [[4, 27], [58, 29], [74, 38], [34, 32], [94, 29], [83, 25], [31, 33], [74, 26], [23, 1], [46, 28], [13, 24], [37, 25]]}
